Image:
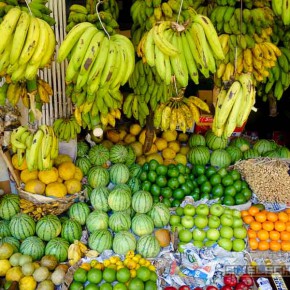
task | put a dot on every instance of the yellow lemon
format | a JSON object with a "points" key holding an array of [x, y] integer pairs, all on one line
{"points": [[184, 150], [152, 268], [182, 137], [16, 164], [14, 274], [174, 145], [137, 147], [35, 186], [161, 144], [155, 156], [133, 273], [85, 266], [73, 186], [135, 129], [107, 263], [66, 170], [168, 153], [48, 176], [56, 189], [78, 174], [141, 160], [27, 283], [142, 261], [4, 267], [169, 161], [180, 158], [129, 138], [169, 135], [152, 150], [27, 175], [61, 158]]}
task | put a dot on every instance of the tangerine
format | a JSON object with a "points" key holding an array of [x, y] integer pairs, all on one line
{"points": [[271, 216], [280, 226], [283, 216], [288, 226], [275, 246], [253, 243], [256, 226], [252, 234], [263, 246], [244, 213], [285, 246], [263, 235], [287, 210], [268, 226], [274, 235], [248, 219], [253, 210], [261, 217], [285, 236]]}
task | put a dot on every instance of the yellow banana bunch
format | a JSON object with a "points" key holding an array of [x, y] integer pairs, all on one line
{"points": [[66, 128], [74, 254]]}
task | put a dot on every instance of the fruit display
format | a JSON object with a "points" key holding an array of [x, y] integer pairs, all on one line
{"points": [[66, 128], [281, 9]]}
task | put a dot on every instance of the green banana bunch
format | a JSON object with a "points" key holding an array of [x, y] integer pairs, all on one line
{"points": [[281, 9], [66, 129], [3, 93]]}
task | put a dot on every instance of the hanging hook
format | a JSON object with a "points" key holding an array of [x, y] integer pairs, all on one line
{"points": [[179, 12], [97, 6], [28, 8]]}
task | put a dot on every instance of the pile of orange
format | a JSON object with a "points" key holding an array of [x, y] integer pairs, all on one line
{"points": [[267, 230]]}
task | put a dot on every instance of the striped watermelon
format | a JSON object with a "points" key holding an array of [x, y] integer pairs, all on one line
{"points": [[123, 186], [220, 158], [9, 206], [120, 221], [99, 154], [250, 153], [134, 183], [272, 154], [198, 155], [22, 226], [284, 152], [142, 201], [57, 247], [82, 148], [84, 164], [135, 170], [34, 247], [101, 240], [79, 211], [196, 140], [48, 227], [98, 176], [99, 198], [88, 188], [15, 243], [240, 142], [4, 229], [118, 153], [64, 218], [214, 142], [119, 173], [119, 199], [142, 224], [71, 230], [235, 153], [160, 214], [263, 146], [131, 157], [148, 246], [97, 220], [123, 242]]}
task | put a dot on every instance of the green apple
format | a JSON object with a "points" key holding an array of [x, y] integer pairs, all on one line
{"points": [[238, 245], [209, 243], [189, 209], [180, 248], [185, 235], [202, 209], [225, 244], [174, 220], [179, 211], [240, 232], [187, 221], [212, 234], [228, 211], [198, 244], [200, 221], [198, 234], [177, 228], [216, 209], [226, 232], [227, 220], [236, 213], [214, 222], [238, 222]]}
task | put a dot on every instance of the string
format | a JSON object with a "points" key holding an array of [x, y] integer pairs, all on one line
{"points": [[28, 8], [97, 10], [175, 85], [179, 12]]}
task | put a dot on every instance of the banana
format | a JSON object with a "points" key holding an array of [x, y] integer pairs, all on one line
{"points": [[158, 115], [165, 118], [277, 6], [74, 254], [285, 12], [160, 63], [149, 48], [199, 103], [16, 137]]}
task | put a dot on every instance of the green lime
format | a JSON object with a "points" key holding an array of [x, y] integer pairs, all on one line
{"points": [[173, 172], [181, 168], [205, 195], [75, 285], [173, 183], [230, 190], [143, 273], [150, 285], [201, 179], [179, 211], [155, 190], [156, 199], [178, 193], [161, 170], [175, 202], [145, 166], [247, 193], [109, 275], [191, 184], [120, 286], [244, 184], [222, 171], [153, 276], [80, 275], [166, 192], [136, 284], [198, 170], [146, 185], [238, 185], [240, 198], [153, 164], [161, 181], [7, 284], [215, 179], [235, 174], [166, 201], [171, 166], [210, 171], [186, 188], [228, 200], [92, 286], [106, 286], [123, 275], [260, 206], [95, 276], [181, 179], [217, 191], [143, 176], [205, 187], [227, 180], [195, 196], [152, 175]]}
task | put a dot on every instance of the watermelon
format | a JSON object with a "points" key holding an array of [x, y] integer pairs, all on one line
{"points": [[34, 247], [235, 153], [134, 183], [220, 158], [284, 152], [82, 148], [64, 218], [214, 142], [71, 230], [272, 154], [263, 146], [9, 206], [196, 140], [99, 154], [98, 176], [97, 220], [142, 224], [101, 240], [142, 201], [15, 243], [120, 221], [84, 164], [88, 189], [131, 157], [123, 186], [250, 153], [48, 227], [119, 199], [123, 242], [135, 170], [160, 214], [58, 247], [4, 229], [198, 155], [22, 226], [99, 198], [118, 153], [242, 143], [79, 211], [119, 173], [148, 246]]}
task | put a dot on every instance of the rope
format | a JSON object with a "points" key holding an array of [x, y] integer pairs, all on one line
{"points": [[97, 7]]}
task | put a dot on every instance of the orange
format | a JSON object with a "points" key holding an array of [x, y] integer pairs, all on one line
{"points": [[287, 210], [283, 216], [275, 246], [268, 226], [244, 213], [260, 217], [263, 235], [285, 236], [253, 243], [288, 226], [252, 234], [285, 246], [248, 219], [263, 246], [256, 226], [271, 216], [274, 235], [280, 226], [253, 210]]}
